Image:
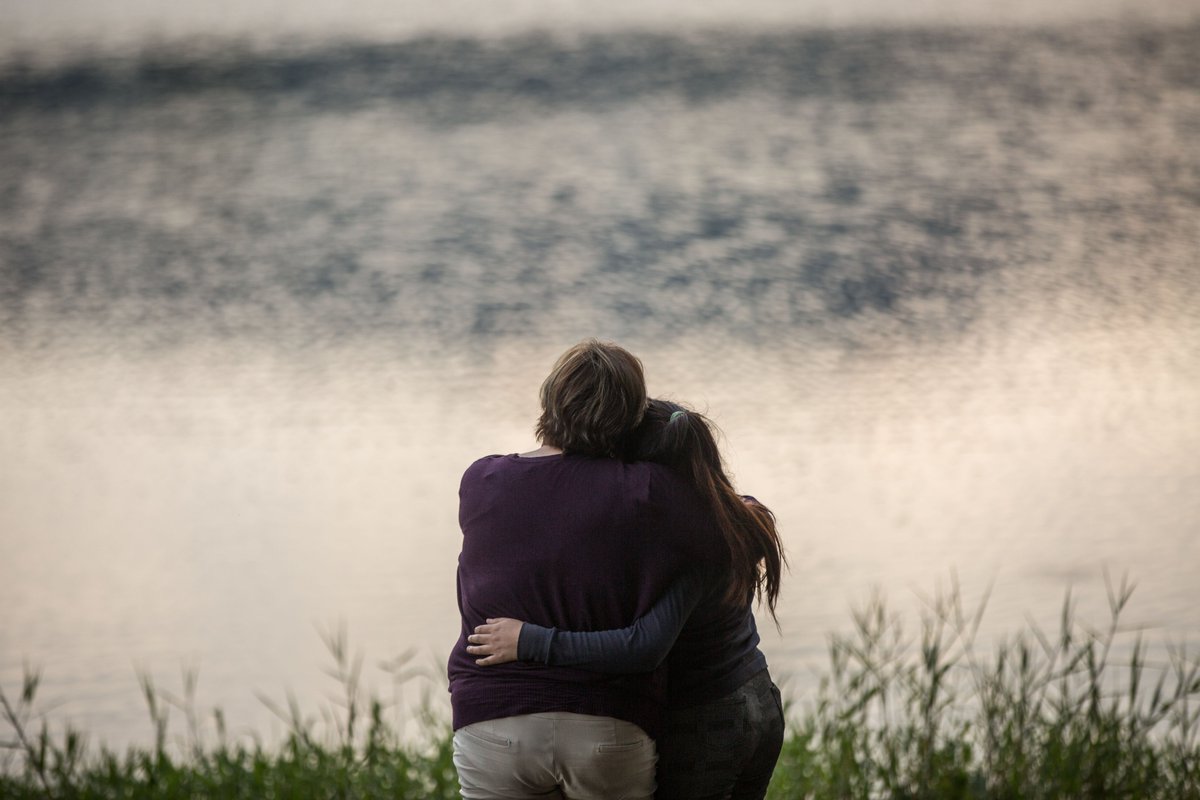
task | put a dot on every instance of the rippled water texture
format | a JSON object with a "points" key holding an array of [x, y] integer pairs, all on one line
{"points": [[259, 310]]}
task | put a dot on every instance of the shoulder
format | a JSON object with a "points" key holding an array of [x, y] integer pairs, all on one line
{"points": [[570, 468], [649, 470], [487, 462], [666, 486], [676, 504], [754, 502], [481, 467]]}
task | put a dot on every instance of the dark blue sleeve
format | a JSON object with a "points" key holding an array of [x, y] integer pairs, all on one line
{"points": [[641, 647]]}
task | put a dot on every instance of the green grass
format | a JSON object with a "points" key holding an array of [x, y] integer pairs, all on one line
{"points": [[934, 715], [1034, 716], [353, 751]]}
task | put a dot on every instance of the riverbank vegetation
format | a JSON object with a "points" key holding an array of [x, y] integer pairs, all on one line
{"points": [[1081, 712]]}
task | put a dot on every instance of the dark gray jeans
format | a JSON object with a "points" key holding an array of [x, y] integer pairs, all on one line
{"points": [[725, 748]]}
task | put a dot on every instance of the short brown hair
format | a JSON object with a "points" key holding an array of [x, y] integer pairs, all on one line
{"points": [[592, 399]]}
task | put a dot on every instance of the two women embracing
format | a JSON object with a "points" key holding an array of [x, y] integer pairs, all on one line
{"points": [[606, 582]]}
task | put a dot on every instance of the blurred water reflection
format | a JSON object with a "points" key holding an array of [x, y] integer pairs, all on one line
{"points": [[259, 311]]}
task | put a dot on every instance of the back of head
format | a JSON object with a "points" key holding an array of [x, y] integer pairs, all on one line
{"points": [[684, 440], [592, 399], [680, 438]]}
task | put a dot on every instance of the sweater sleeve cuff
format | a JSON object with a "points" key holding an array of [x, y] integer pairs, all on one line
{"points": [[533, 643]]}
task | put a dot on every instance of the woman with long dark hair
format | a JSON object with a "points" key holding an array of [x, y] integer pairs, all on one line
{"points": [[725, 720]]}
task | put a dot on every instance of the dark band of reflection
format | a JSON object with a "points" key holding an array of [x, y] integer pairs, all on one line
{"points": [[598, 69]]}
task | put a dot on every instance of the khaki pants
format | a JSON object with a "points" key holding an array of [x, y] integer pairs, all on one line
{"points": [[555, 755]]}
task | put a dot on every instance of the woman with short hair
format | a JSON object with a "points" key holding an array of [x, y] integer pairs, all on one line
{"points": [[724, 726], [569, 536]]}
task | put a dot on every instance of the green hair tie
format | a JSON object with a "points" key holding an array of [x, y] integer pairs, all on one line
{"points": [[676, 415]]}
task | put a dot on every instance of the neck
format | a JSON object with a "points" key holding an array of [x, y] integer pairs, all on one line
{"points": [[544, 450]]}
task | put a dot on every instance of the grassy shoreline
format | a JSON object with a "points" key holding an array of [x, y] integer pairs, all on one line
{"points": [[933, 715]]}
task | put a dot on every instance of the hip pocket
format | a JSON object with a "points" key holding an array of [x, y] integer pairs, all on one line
{"points": [[628, 747], [486, 739]]}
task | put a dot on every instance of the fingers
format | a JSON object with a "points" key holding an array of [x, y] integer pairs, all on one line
{"points": [[483, 645], [495, 658], [491, 654], [495, 641]]}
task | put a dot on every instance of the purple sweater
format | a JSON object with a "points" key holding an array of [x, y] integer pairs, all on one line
{"points": [[574, 543]]}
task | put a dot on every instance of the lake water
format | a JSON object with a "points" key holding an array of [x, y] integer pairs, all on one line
{"points": [[260, 308]]}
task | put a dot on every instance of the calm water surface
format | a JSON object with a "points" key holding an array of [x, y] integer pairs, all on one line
{"points": [[259, 311]]}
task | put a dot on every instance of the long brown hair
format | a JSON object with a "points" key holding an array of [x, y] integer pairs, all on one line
{"points": [[684, 440]]}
